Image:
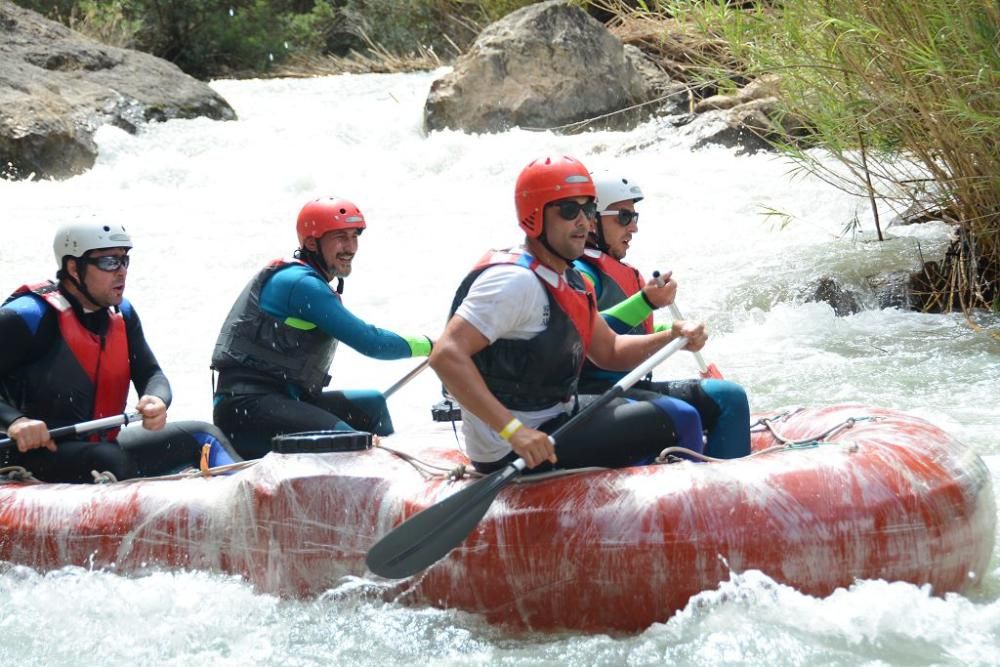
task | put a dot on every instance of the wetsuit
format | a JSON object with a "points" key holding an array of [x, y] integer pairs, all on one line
{"points": [[539, 326], [274, 352], [61, 365], [722, 407]]}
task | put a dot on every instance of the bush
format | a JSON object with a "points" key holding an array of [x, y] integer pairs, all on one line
{"points": [[886, 84], [207, 38]]}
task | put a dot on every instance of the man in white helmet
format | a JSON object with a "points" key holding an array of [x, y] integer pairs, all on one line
{"points": [[627, 302], [70, 349]]}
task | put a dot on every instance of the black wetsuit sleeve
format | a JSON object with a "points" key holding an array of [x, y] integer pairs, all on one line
{"points": [[18, 346], [147, 376]]}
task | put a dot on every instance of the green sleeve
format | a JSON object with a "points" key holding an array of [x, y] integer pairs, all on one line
{"points": [[420, 346], [631, 312]]}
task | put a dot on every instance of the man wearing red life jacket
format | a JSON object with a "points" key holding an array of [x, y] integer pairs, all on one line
{"points": [[522, 323], [276, 346], [627, 302], [70, 350]]}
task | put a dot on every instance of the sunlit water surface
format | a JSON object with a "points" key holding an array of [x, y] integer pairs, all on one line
{"points": [[208, 203]]}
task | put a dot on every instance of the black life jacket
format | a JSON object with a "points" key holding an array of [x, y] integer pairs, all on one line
{"points": [[85, 376], [535, 374], [257, 351]]}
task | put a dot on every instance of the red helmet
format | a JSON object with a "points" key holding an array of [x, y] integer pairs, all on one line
{"points": [[327, 214], [546, 180]]}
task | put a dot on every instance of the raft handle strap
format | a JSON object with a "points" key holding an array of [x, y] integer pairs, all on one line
{"points": [[106, 477]]}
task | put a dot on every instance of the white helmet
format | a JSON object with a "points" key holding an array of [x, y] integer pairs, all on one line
{"points": [[613, 188], [75, 240]]}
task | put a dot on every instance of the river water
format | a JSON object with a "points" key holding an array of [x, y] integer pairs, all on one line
{"points": [[208, 203]]}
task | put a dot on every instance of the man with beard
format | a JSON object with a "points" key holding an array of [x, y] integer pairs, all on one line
{"points": [[280, 337]]}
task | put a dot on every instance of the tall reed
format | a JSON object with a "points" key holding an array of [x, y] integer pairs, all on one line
{"points": [[905, 94]]}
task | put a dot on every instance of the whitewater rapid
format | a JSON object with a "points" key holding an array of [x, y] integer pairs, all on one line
{"points": [[208, 203]]}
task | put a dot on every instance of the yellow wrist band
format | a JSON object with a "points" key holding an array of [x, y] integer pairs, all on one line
{"points": [[511, 428]]}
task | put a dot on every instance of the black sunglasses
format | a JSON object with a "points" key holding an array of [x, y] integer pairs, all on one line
{"points": [[569, 209], [625, 216], [109, 263]]}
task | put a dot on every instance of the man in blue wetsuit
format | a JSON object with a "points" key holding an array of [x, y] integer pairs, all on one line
{"points": [[279, 340], [627, 302], [69, 350]]}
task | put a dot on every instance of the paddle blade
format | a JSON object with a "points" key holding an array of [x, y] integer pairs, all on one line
{"points": [[429, 535], [712, 372]]}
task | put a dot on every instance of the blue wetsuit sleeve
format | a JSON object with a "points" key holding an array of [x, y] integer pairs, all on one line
{"points": [[297, 292], [28, 329], [16, 333]]}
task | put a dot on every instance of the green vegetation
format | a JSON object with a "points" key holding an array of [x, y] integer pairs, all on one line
{"points": [[207, 38], [905, 94]]}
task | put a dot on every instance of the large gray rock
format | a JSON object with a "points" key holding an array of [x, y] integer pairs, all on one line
{"points": [[749, 120], [828, 289], [549, 66], [57, 87]]}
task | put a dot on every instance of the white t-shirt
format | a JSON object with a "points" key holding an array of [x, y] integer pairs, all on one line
{"points": [[506, 301]]}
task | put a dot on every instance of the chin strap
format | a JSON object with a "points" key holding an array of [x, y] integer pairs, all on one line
{"points": [[598, 237], [315, 260], [545, 242], [81, 269]]}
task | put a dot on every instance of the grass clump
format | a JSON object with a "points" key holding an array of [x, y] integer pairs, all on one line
{"points": [[906, 95]]}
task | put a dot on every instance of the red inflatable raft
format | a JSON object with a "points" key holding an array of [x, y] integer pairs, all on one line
{"points": [[869, 494]]}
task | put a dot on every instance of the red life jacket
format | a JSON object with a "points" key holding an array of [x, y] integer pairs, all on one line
{"points": [[577, 302], [536, 373], [619, 281], [103, 359]]}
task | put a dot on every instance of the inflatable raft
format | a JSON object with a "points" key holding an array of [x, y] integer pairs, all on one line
{"points": [[831, 495]]}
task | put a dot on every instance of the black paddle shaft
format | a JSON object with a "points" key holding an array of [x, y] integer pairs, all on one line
{"points": [[430, 534]]}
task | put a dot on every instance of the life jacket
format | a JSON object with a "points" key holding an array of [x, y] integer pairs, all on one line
{"points": [[85, 377], [536, 373], [256, 351], [619, 281]]}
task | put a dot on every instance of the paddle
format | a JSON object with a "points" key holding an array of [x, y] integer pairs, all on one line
{"points": [[707, 370], [429, 535], [406, 378], [82, 428]]}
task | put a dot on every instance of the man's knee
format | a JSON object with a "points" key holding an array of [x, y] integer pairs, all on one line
{"points": [[106, 457], [686, 420]]}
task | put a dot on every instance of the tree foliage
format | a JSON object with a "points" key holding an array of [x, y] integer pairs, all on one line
{"points": [[207, 38]]}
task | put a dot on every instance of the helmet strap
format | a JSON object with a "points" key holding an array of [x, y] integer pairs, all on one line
{"points": [[545, 242], [80, 285], [599, 241], [315, 259]]}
